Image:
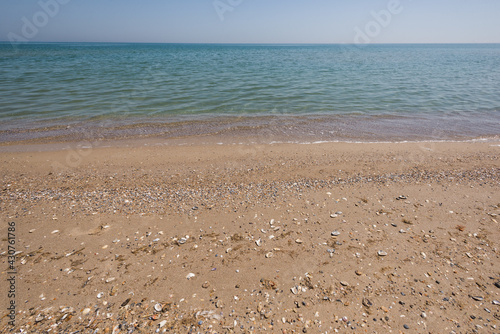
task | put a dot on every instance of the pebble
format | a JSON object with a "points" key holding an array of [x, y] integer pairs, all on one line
{"points": [[86, 311], [497, 284], [495, 302], [406, 327]]}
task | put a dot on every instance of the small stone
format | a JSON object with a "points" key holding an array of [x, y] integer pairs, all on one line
{"points": [[39, 318], [497, 284], [86, 311], [406, 327], [495, 302], [423, 315], [333, 215], [205, 285]]}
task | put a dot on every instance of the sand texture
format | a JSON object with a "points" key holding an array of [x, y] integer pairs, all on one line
{"points": [[285, 238]]}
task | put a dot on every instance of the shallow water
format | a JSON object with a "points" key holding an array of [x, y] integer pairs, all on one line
{"points": [[68, 91]]}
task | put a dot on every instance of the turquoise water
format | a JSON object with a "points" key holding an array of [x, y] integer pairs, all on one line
{"points": [[318, 92]]}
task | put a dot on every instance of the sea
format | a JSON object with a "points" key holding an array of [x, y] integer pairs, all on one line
{"points": [[70, 92]]}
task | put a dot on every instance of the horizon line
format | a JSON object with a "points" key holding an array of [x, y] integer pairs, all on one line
{"points": [[256, 43]]}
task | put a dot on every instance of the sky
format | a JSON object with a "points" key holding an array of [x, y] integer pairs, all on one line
{"points": [[251, 21]]}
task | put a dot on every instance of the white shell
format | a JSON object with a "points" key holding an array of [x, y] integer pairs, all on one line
{"points": [[190, 275], [381, 253]]}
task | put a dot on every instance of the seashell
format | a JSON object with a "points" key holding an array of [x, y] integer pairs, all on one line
{"points": [[299, 241], [100, 295], [381, 253], [54, 232], [295, 290], [86, 311], [182, 241], [367, 302], [335, 233], [158, 307], [477, 298], [190, 275], [258, 242], [270, 254]]}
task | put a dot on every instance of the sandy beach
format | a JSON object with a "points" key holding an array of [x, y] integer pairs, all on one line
{"points": [[278, 238]]}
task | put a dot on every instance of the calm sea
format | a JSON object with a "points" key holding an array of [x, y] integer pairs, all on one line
{"points": [[303, 93]]}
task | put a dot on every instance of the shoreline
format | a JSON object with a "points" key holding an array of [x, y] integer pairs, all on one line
{"points": [[283, 238], [260, 129], [210, 140]]}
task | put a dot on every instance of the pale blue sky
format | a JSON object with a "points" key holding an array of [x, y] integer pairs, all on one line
{"points": [[252, 21]]}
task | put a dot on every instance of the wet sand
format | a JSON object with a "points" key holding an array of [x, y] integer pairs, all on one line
{"points": [[284, 238]]}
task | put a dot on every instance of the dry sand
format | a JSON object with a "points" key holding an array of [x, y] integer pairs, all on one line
{"points": [[285, 238]]}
